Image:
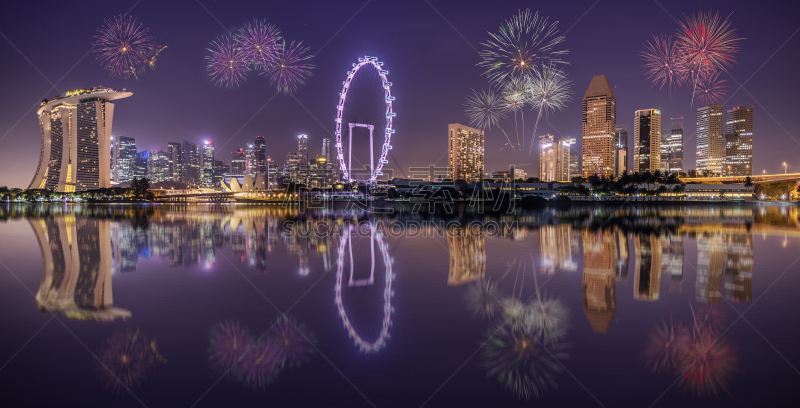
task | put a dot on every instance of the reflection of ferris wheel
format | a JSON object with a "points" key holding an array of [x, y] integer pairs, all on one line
{"points": [[367, 61], [346, 242]]}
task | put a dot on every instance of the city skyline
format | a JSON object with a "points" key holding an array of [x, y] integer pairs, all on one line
{"points": [[283, 117]]}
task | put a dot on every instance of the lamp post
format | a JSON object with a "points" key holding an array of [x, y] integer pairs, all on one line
{"points": [[784, 167]]}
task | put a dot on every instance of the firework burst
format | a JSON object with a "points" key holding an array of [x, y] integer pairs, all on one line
{"points": [[259, 42], [484, 109], [228, 343], [227, 63], [523, 42], [290, 67], [482, 299], [664, 63], [549, 90], [707, 42], [125, 359], [260, 366], [709, 89], [293, 342], [123, 46]]}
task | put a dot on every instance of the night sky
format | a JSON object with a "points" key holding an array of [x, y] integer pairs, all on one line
{"points": [[433, 69]]}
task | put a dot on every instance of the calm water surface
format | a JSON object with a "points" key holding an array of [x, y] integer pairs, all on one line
{"points": [[246, 305]]}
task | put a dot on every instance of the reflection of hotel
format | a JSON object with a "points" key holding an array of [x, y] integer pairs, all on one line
{"points": [[647, 269], [77, 258], [710, 266], [467, 257], [556, 249], [739, 270], [599, 266]]}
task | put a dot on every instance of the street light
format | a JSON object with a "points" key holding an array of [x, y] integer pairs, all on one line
{"points": [[784, 167]]}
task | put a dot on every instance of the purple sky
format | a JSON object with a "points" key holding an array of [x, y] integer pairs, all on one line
{"points": [[431, 66]]}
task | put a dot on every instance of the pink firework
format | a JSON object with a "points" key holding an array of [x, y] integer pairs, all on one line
{"points": [[709, 89], [228, 343], [664, 64], [227, 64], [666, 346], [123, 45], [259, 42], [261, 365], [293, 341], [125, 359], [707, 42], [290, 67]]}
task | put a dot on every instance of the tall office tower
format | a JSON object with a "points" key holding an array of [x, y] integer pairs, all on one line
{"points": [[554, 158], [175, 161], [464, 152], [141, 165], [238, 161], [620, 143], [710, 149], [125, 156], [158, 166], [739, 142], [647, 268], [665, 152], [261, 155], [192, 162], [207, 175], [467, 257], [250, 166], [219, 171], [302, 146], [75, 153], [574, 166], [647, 140], [598, 286], [272, 171], [676, 146], [599, 123], [326, 149]]}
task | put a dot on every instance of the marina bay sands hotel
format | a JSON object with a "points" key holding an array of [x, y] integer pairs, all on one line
{"points": [[76, 140]]}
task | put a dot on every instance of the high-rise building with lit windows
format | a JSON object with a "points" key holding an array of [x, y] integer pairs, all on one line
{"points": [[238, 162], [192, 162], [710, 150], [676, 146], [124, 156], [207, 175], [554, 158], [465, 153], [739, 142], [174, 151], [621, 149], [76, 140], [158, 166], [599, 125], [250, 166], [261, 155], [647, 140]]}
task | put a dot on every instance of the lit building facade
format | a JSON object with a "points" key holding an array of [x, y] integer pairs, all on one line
{"points": [[574, 166], [739, 142], [710, 150], [599, 124], [647, 140], [75, 153], [174, 151], [192, 162], [207, 175], [465, 150], [261, 155], [676, 146], [158, 166], [554, 158], [250, 167], [620, 143], [125, 159]]}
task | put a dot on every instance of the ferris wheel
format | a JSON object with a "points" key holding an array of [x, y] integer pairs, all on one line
{"points": [[376, 170]]}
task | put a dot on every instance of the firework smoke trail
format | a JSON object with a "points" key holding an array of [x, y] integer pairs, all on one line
{"points": [[228, 343], [514, 100], [549, 90], [293, 342], [227, 64], [664, 62], [707, 43], [125, 359], [290, 66], [523, 42], [259, 43], [122, 45], [484, 110]]}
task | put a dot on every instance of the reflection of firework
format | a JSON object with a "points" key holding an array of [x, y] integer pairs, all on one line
{"points": [[227, 64], [125, 360], [708, 366], [259, 41], [709, 89], [709, 320], [548, 319], [665, 65], [523, 42], [229, 342], [520, 362], [122, 45], [290, 67], [514, 312], [260, 366], [482, 299], [293, 341], [666, 346]]}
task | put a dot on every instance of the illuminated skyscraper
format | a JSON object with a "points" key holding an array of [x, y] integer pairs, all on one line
{"points": [[75, 153], [175, 161], [710, 146], [676, 146], [574, 166], [599, 124], [554, 158], [664, 162], [326, 149], [261, 155], [208, 164], [464, 152], [620, 149], [192, 162], [598, 286], [125, 158], [647, 140], [250, 166], [238, 162], [739, 142], [158, 166]]}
